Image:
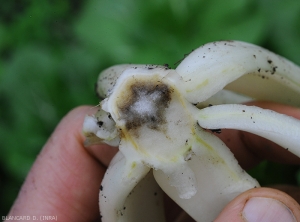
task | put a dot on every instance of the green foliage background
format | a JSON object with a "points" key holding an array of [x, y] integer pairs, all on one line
{"points": [[51, 52]]}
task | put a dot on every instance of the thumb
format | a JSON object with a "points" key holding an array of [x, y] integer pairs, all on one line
{"points": [[261, 204]]}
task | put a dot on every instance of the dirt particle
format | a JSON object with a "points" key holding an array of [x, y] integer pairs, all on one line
{"points": [[166, 65], [100, 123], [218, 131], [274, 70]]}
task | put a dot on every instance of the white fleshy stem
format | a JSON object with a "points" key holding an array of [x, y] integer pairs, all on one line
{"points": [[145, 202], [225, 97], [281, 129], [122, 189], [108, 77], [219, 178], [213, 66]]}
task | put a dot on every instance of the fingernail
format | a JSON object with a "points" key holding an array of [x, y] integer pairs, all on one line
{"points": [[261, 209]]}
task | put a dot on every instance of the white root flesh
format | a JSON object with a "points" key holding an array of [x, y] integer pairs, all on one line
{"points": [[148, 112]]}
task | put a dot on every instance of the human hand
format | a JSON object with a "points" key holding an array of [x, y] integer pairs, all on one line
{"points": [[64, 180]]}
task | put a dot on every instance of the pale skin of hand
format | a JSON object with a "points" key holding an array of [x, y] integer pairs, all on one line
{"points": [[64, 180]]}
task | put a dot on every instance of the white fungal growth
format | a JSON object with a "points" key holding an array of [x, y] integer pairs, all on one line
{"points": [[145, 104], [148, 112]]}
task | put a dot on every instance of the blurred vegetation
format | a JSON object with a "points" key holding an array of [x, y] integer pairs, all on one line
{"points": [[52, 51]]}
